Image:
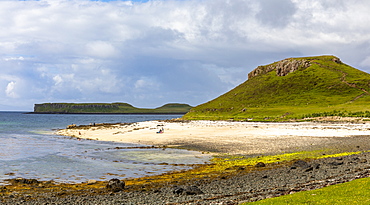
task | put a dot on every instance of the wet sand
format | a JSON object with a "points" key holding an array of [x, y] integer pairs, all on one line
{"points": [[243, 138]]}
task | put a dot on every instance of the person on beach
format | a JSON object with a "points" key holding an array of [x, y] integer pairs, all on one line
{"points": [[161, 131]]}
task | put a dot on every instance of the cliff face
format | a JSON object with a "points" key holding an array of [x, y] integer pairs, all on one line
{"points": [[282, 68]]}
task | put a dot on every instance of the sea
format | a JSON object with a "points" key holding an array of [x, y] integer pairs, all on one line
{"points": [[30, 149]]}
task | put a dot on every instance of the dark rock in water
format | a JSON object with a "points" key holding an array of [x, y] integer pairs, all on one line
{"points": [[300, 164], [260, 164], [115, 185], [23, 181]]}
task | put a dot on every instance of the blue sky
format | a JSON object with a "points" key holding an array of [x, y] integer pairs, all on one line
{"points": [[148, 53]]}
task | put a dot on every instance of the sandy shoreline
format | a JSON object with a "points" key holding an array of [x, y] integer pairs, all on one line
{"points": [[246, 138], [232, 185]]}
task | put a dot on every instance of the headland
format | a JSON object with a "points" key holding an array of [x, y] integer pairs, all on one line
{"points": [[108, 108]]}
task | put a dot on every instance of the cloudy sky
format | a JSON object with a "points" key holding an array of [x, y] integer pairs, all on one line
{"points": [[151, 52]]}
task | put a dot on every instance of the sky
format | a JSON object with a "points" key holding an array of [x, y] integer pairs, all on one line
{"points": [[152, 52]]}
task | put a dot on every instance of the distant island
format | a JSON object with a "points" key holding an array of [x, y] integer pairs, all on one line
{"points": [[107, 108]]}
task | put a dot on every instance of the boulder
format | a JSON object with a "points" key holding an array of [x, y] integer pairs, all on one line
{"points": [[260, 164], [300, 164], [177, 190], [193, 190], [91, 181], [115, 185]]}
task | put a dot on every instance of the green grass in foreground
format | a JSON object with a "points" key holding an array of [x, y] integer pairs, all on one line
{"points": [[354, 192]]}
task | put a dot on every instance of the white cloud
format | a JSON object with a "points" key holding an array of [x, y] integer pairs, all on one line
{"points": [[10, 90], [188, 51], [101, 49], [147, 83], [57, 79]]}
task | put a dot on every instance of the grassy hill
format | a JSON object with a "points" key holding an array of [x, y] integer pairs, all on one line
{"points": [[293, 88], [108, 108]]}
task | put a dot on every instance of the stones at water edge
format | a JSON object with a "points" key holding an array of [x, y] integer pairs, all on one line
{"points": [[115, 185], [91, 181], [23, 181]]}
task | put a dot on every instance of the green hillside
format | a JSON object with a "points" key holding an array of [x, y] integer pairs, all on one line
{"points": [[293, 88], [109, 108]]}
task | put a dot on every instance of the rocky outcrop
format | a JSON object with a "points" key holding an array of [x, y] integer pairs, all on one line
{"points": [[282, 68]]}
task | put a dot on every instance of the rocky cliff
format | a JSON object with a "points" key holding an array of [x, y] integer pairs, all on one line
{"points": [[284, 67]]}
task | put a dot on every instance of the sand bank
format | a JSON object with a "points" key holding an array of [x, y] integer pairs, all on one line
{"points": [[245, 138]]}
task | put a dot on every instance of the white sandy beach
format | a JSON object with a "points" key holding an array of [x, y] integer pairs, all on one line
{"points": [[226, 137]]}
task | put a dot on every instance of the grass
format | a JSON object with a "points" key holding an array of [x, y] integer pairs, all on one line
{"points": [[354, 192], [323, 87]]}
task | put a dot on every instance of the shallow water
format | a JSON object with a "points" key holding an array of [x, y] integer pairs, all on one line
{"points": [[29, 149]]}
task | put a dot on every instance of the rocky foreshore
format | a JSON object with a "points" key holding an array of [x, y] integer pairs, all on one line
{"points": [[241, 185], [235, 184]]}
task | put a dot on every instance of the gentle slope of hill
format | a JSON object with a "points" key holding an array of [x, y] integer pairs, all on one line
{"points": [[293, 88], [108, 108]]}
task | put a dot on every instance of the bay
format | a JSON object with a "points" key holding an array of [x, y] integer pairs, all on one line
{"points": [[29, 149]]}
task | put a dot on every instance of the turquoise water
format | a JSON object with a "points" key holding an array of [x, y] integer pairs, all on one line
{"points": [[29, 149]]}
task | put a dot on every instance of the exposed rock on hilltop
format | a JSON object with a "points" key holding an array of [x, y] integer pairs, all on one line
{"points": [[284, 67]]}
